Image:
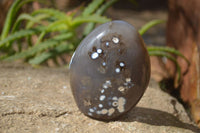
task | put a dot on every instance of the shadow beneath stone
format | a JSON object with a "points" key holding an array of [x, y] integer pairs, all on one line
{"points": [[157, 118]]}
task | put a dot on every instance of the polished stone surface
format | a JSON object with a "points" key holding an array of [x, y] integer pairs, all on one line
{"points": [[109, 71]]}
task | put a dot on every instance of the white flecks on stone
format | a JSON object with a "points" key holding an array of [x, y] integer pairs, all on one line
{"points": [[104, 64], [121, 64], [102, 91], [115, 104], [29, 78], [107, 43], [90, 114], [107, 84], [104, 111], [91, 110], [121, 104], [121, 89], [99, 51], [117, 70], [111, 111], [115, 98], [102, 97], [128, 80], [100, 105], [98, 112], [2, 93], [115, 40], [128, 83], [94, 55]]}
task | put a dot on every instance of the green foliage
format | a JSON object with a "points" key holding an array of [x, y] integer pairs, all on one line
{"points": [[149, 25], [99, 11], [11, 15], [92, 7], [50, 43], [167, 52], [46, 33], [56, 33]]}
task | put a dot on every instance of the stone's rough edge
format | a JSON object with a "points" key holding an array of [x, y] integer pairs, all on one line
{"points": [[44, 103]]}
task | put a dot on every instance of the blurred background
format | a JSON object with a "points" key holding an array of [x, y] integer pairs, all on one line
{"points": [[181, 31]]}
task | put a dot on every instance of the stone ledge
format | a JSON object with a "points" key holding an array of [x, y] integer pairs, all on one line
{"points": [[40, 100]]}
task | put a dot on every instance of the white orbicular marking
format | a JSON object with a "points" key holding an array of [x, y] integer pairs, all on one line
{"points": [[104, 111], [99, 51], [98, 112], [111, 111], [128, 83], [94, 55], [121, 64], [115, 104], [102, 91], [107, 43], [121, 104], [91, 110], [102, 97], [90, 114], [128, 80], [104, 64], [117, 70], [107, 84], [121, 89], [100, 105], [115, 40], [114, 98]]}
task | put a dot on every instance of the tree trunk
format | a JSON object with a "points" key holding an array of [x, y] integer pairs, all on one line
{"points": [[183, 33]]}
